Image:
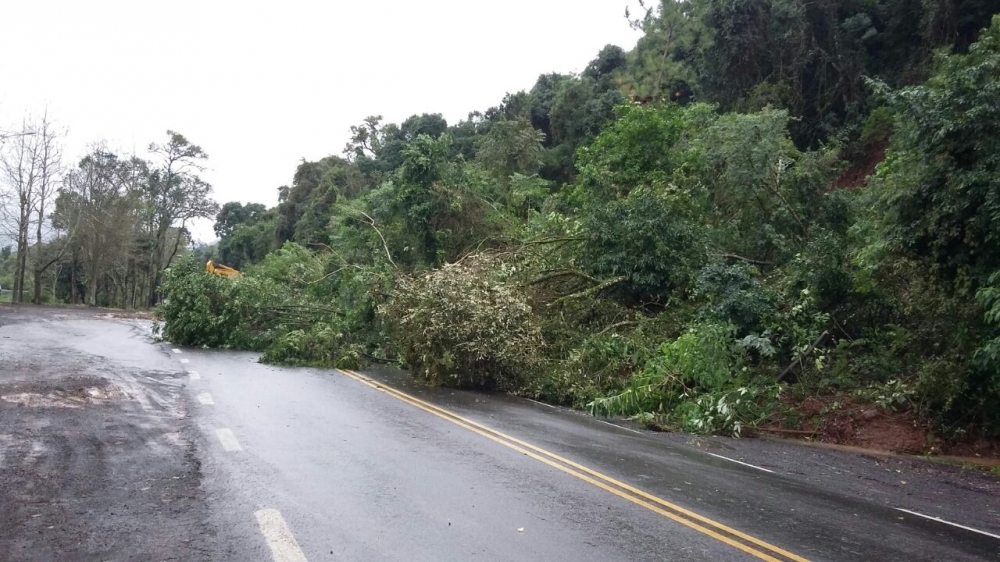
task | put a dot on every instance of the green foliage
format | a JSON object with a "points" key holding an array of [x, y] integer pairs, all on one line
{"points": [[293, 266], [663, 65], [319, 345], [763, 193], [878, 126], [246, 312], [234, 214], [729, 411], [247, 244], [511, 147], [734, 294], [938, 192], [703, 359], [663, 234], [206, 310], [632, 151], [428, 211], [988, 356], [694, 382], [649, 240], [894, 395], [599, 365], [459, 326]]}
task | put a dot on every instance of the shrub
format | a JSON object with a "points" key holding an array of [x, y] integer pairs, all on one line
{"points": [[734, 294], [245, 312], [696, 382], [194, 306], [293, 266], [320, 345], [600, 364], [458, 326], [729, 411], [648, 240], [703, 359], [878, 126]]}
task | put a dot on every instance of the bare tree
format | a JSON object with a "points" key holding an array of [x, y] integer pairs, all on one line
{"points": [[19, 172], [49, 155]]}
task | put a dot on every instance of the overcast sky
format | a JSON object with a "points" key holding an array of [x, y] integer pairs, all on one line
{"points": [[262, 85]]}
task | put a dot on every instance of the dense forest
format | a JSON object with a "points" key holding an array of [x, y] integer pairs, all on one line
{"points": [[763, 201]]}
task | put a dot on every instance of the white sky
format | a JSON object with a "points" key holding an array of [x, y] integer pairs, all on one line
{"points": [[262, 85]]}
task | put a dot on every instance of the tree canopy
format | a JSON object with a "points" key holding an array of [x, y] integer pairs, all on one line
{"points": [[761, 198]]}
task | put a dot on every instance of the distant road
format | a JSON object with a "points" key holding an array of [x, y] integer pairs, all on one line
{"points": [[113, 447]]}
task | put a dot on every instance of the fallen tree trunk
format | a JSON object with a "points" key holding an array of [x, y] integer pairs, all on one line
{"points": [[798, 360]]}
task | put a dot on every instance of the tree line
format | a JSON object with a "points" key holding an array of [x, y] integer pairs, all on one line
{"points": [[101, 231], [762, 202]]}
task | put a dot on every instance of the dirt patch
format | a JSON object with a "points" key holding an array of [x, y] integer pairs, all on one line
{"points": [[986, 448], [128, 315], [89, 472], [844, 420], [74, 392], [855, 176], [840, 419]]}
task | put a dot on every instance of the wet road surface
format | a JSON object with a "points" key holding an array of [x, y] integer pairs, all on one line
{"points": [[113, 447]]}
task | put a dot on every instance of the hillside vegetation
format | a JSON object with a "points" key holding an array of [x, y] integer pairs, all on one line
{"points": [[763, 201]]}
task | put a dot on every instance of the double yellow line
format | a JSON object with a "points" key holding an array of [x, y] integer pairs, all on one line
{"points": [[734, 538]]}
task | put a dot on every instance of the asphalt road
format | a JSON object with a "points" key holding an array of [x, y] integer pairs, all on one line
{"points": [[114, 447]]}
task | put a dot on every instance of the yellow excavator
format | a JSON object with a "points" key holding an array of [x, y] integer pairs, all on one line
{"points": [[221, 270]]}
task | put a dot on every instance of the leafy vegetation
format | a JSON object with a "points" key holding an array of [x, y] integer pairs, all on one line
{"points": [[461, 326], [673, 234]]}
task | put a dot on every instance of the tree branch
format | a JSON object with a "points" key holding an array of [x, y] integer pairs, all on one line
{"points": [[798, 360], [748, 260], [618, 325], [371, 223], [564, 273], [591, 291]]}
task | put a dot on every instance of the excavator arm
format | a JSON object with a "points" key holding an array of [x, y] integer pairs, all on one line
{"points": [[220, 270]]}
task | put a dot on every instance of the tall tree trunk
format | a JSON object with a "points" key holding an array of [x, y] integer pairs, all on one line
{"points": [[36, 296], [93, 276], [37, 289], [22, 262], [72, 282], [153, 277], [154, 263], [15, 289], [91, 299]]}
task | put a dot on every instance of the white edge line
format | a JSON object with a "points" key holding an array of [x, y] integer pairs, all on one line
{"points": [[542, 403], [279, 537], [738, 462], [620, 427], [939, 520], [602, 421], [228, 440]]}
